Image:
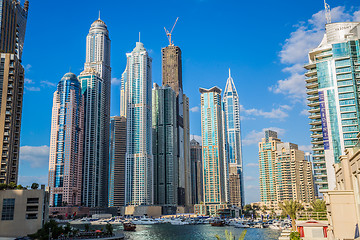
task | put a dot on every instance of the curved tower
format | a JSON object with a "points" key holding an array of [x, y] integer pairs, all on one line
{"points": [[66, 145]]}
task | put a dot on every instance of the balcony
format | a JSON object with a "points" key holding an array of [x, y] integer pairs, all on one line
{"points": [[311, 85], [312, 98], [315, 116], [310, 65], [310, 73], [312, 91], [316, 128]]}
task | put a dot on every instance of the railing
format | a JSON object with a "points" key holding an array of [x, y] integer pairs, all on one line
{"points": [[312, 215]]}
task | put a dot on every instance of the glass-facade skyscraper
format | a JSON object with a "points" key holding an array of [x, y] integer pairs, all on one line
{"points": [[233, 143], [95, 164], [214, 164], [139, 158], [66, 143], [332, 80]]}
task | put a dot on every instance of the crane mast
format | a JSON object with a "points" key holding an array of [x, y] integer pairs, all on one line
{"points": [[168, 34]]}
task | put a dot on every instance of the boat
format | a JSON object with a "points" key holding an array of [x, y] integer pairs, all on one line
{"points": [[144, 221], [178, 221], [217, 223], [129, 226], [241, 225]]}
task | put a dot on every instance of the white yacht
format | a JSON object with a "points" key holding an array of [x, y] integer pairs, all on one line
{"points": [[144, 221]]}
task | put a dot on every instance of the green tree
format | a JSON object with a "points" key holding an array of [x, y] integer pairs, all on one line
{"points": [[19, 187], [43, 233], [109, 229], [318, 205], [87, 227], [230, 236], [295, 236], [291, 208], [12, 185], [3, 186], [34, 186]]}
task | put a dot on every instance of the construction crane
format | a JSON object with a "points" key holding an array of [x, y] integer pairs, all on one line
{"points": [[168, 34]]}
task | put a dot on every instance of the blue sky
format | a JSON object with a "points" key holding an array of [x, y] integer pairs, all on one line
{"points": [[265, 43]]}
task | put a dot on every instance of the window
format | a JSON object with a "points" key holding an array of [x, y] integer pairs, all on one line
{"points": [[8, 209], [31, 208], [32, 200], [31, 216]]}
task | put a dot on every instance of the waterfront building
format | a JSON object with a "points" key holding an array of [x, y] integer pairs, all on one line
{"points": [[172, 76], [196, 171], [343, 202], [66, 143], [233, 143], [98, 46], [164, 128], [117, 161], [212, 149], [13, 18], [23, 211], [139, 158], [267, 148], [95, 164], [123, 94], [285, 174], [333, 97]]}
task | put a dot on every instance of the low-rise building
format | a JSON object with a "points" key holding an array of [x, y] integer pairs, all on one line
{"points": [[343, 203], [23, 212]]}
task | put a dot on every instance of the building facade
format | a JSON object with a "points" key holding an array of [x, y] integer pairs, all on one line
{"points": [[333, 97], [95, 164], [98, 46], [212, 149], [196, 171], [139, 158], [66, 143], [233, 143], [13, 19], [117, 161], [165, 146]]}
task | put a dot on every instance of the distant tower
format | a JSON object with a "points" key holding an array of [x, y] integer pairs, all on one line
{"points": [[233, 142], [95, 164], [98, 58], [212, 149], [196, 171], [117, 161], [139, 159], [66, 143]]}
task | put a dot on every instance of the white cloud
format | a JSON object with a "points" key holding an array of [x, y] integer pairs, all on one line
{"points": [[275, 113], [306, 148], [194, 109], [250, 178], [254, 137], [32, 89], [305, 112], [28, 180], [47, 83], [306, 36], [28, 81], [115, 81], [356, 16], [37, 156], [251, 187], [27, 67], [252, 165], [197, 138]]}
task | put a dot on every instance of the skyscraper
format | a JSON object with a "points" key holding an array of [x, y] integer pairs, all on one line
{"points": [[172, 76], [233, 142], [196, 171], [117, 161], [98, 58], [13, 18], [333, 97], [164, 124], [95, 164], [212, 149], [285, 174], [267, 148], [66, 143], [139, 158]]}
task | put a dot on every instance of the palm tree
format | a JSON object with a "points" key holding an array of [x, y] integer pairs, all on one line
{"points": [[291, 208], [318, 205], [230, 236]]}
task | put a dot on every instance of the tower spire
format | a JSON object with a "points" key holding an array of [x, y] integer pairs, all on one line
{"points": [[139, 37], [229, 73], [327, 12], [99, 15]]}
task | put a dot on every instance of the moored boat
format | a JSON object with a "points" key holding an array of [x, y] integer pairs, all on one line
{"points": [[129, 226]]}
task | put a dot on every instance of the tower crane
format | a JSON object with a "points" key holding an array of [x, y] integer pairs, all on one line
{"points": [[168, 34]]}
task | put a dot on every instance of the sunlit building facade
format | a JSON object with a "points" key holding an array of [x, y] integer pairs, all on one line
{"points": [[332, 79], [139, 158], [66, 143]]}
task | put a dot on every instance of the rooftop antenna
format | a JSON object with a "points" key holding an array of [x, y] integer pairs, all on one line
{"points": [[327, 12], [69, 69], [229, 73], [99, 14], [139, 36], [168, 34]]}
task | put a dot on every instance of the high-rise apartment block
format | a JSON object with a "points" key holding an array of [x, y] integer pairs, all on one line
{"points": [[95, 164], [285, 174], [196, 171], [66, 143], [139, 158], [117, 161], [13, 19], [214, 164], [332, 78], [165, 146], [232, 139], [172, 68]]}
